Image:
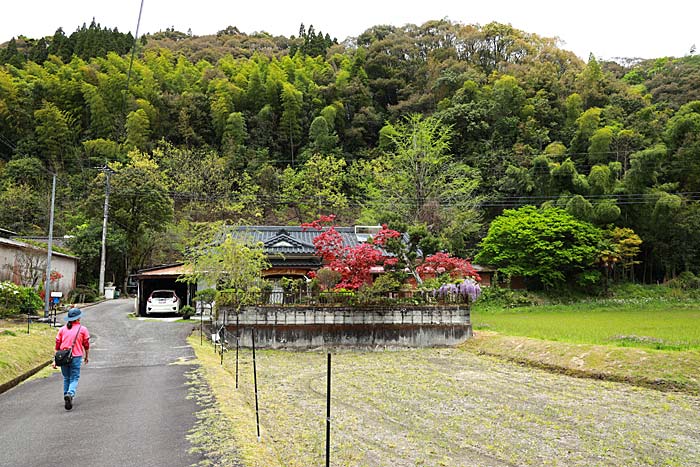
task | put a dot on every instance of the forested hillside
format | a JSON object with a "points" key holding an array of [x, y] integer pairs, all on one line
{"points": [[441, 124]]}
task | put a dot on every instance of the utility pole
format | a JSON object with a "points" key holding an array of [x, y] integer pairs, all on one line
{"points": [[47, 287], [108, 173]]}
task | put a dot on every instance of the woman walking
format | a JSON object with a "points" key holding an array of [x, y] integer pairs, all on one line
{"points": [[76, 335]]}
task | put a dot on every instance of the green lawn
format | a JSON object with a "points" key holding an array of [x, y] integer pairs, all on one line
{"points": [[649, 323]]}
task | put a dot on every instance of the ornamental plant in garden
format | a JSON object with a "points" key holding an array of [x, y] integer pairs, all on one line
{"points": [[353, 263], [16, 299], [444, 263], [55, 276], [466, 291]]}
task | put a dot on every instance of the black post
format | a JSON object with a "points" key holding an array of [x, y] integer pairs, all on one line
{"points": [[28, 320], [237, 347], [222, 338], [255, 383], [201, 331], [328, 414], [214, 326]]}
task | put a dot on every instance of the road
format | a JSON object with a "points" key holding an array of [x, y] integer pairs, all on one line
{"points": [[131, 407]]}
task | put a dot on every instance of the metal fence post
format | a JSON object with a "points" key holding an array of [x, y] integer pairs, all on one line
{"points": [[328, 413], [255, 383]]}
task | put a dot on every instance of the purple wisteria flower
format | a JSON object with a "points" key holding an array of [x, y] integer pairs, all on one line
{"points": [[466, 291]]}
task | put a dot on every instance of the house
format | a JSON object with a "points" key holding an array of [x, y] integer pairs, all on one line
{"points": [[25, 264], [290, 249], [486, 273]]}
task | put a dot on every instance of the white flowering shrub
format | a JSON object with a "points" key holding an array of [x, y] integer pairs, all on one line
{"points": [[15, 299]]}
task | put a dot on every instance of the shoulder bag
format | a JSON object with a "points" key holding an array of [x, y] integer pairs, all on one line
{"points": [[65, 356]]}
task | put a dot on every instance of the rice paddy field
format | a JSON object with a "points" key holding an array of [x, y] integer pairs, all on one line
{"points": [[600, 383], [646, 323], [431, 407]]}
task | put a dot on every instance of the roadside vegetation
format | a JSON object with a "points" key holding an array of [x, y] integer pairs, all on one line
{"points": [[21, 352]]}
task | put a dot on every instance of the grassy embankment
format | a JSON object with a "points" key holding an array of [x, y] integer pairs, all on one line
{"points": [[21, 352]]}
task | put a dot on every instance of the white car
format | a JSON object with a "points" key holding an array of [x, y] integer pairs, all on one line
{"points": [[163, 301]]}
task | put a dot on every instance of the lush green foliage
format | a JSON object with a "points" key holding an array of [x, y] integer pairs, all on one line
{"points": [[16, 299], [440, 124], [547, 245], [230, 263]]}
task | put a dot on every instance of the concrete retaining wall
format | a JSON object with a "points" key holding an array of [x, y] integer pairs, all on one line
{"points": [[304, 327]]}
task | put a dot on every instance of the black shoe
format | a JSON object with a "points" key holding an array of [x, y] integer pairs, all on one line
{"points": [[69, 401]]}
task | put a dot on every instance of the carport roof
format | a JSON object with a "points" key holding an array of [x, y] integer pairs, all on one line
{"points": [[169, 270]]}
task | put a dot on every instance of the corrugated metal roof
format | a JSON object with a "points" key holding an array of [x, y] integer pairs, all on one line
{"points": [[160, 271], [29, 246]]}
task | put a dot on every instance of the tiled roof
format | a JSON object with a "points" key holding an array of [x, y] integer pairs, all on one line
{"points": [[292, 240]]}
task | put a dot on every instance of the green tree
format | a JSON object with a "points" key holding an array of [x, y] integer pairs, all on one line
{"points": [[27, 171], [321, 138], [586, 126], [419, 181], [139, 203], [290, 126], [683, 137], [138, 129], [23, 209], [316, 188], [229, 261], [53, 135], [600, 145], [547, 245], [234, 139]]}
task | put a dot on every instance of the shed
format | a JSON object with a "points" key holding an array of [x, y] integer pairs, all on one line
{"points": [[25, 264], [162, 278]]}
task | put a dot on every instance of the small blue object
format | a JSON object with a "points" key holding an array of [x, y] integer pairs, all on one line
{"points": [[56, 300]]}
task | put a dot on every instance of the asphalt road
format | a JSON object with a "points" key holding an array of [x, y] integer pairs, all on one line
{"points": [[131, 407]]}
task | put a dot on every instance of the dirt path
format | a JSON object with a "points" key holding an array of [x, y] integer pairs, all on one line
{"points": [[451, 407]]}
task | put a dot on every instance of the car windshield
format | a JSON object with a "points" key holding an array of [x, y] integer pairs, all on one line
{"points": [[163, 294]]}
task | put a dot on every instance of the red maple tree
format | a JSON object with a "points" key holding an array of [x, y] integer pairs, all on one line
{"points": [[441, 263], [353, 263]]}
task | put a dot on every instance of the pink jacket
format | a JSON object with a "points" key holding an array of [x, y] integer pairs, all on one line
{"points": [[65, 337]]}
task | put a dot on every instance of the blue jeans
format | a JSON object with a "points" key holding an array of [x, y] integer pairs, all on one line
{"points": [[71, 375]]}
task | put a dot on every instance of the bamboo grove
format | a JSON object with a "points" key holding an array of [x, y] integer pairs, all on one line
{"points": [[442, 125]]}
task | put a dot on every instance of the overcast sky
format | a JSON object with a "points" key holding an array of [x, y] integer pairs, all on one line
{"points": [[608, 29]]}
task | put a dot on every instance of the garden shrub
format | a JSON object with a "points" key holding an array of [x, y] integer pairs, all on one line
{"points": [[82, 294], [327, 278], [187, 311], [385, 283], [686, 281], [508, 298], [15, 299]]}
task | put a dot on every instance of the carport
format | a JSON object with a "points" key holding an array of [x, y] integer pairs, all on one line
{"points": [[159, 278]]}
